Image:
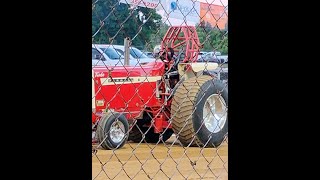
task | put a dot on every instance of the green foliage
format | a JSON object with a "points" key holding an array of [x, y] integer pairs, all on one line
{"points": [[117, 21], [113, 21], [213, 39]]}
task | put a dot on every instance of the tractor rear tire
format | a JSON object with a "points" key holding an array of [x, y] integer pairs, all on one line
{"points": [[112, 130], [189, 105]]}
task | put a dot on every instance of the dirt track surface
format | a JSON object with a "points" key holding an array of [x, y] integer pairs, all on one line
{"points": [[163, 161]]}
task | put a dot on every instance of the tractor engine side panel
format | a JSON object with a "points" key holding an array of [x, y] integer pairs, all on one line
{"points": [[127, 91], [127, 96]]}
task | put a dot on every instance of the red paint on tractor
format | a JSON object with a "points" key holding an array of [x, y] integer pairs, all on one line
{"points": [[122, 89]]}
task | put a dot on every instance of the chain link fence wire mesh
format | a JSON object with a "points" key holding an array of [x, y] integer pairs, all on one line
{"points": [[159, 89]]}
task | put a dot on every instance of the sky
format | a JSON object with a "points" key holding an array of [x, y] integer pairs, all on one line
{"points": [[181, 22], [217, 2]]}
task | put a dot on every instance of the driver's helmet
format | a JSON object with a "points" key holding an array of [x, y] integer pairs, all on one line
{"points": [[156, 50]]}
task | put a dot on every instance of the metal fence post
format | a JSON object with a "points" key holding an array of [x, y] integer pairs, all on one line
{"points": [[126, 51]]}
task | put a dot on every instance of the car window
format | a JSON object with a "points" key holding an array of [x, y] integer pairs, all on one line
{"points": [[136, 53], [95, 52], [217, 53], [111, 53], [120, 51]]}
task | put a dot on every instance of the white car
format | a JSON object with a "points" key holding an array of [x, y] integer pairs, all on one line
{"points": [[105, 55], [201, 54], [135, 55], [213, 57]]}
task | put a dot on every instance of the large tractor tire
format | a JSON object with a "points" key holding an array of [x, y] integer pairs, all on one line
{"points": [[112, 130], [150, 137], [199, 112]]}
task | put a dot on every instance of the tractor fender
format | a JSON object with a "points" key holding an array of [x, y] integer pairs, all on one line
{"points": [[209, 73], [197, 67]]}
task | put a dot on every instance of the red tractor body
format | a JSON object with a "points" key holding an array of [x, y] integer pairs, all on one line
{"points": [[142, 95], [129, 90], [133, 90]]}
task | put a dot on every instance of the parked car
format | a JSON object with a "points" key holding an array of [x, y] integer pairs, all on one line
{"points": [[217, 53], [223, 58], [209, 57], [103, 55], [201, 54], [113, 55], [149, 54], [135, 55]]}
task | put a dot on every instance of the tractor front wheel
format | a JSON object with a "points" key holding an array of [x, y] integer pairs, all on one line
{"points": [[112, 130]]}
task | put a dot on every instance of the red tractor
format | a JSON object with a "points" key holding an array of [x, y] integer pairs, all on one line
{"points": [[174, 94]]}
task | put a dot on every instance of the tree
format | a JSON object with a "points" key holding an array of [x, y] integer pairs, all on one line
{"points": [[112, 22], [213, 38]]}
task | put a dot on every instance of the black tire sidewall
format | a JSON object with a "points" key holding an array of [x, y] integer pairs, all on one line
{"points": [[208, 88], [106, 123]]}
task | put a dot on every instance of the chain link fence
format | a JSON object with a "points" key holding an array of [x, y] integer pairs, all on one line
{"points": [[159, 89]]}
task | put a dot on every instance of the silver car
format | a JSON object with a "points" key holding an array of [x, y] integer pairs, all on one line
{"points": [[135, 55], [104, 55]]}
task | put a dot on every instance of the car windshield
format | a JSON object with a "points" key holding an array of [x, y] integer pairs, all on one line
{"points": [[217, 53], [111, 53], [136, 53], [120, 51]]}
